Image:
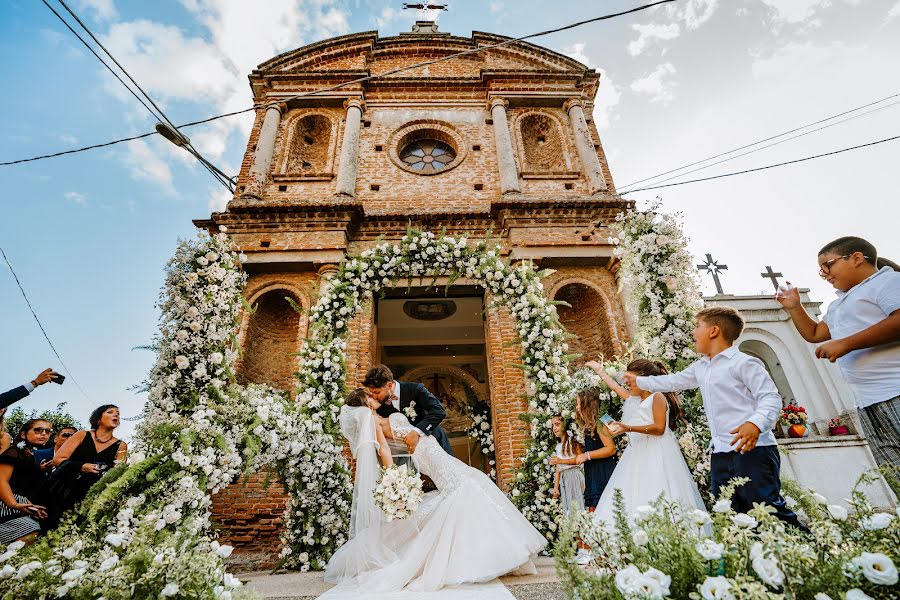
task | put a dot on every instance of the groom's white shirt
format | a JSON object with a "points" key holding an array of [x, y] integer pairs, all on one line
{"points": [[395, 402]]}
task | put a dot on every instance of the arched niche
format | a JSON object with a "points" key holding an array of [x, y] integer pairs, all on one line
{"points": [[769, 357], [270, 339], [588, 319]]}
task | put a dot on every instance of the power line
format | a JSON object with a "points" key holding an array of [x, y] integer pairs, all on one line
{"points": [[762, 141], [38, 321], [158, 113], [799, 135], [352, 81], [772, 166]]}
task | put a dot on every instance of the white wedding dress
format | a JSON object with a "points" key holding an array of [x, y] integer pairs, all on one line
{"points": [[651, 465], [465, 532]]}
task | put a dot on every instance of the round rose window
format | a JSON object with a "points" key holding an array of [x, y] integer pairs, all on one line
{"points": [[427, 156]]}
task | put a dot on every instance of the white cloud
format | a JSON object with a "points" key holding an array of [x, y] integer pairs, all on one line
{"points": [[657, 85], [693, 13], [576, 52], [103, 10], [608, 94], [794, 58], [496, 6], [893, 13], [388, 15], [796, 11], [144, 164], [69, 140], [76, 197], [649, 32], [218, 199]]}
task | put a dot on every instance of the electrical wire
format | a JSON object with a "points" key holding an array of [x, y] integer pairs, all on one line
{"points": [[772, 166], [351, 82], [38, 321]]}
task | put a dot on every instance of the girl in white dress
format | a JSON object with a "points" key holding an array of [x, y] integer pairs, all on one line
{"points": [[465, 532], [652, 464], [568, 480]]}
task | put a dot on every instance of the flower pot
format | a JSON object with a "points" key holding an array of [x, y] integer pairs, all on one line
{"points": [[797, 431], [839, 430]]}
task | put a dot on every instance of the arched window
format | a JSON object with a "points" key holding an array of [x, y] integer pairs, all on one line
{"points": [[764, 352], [309, 146]]}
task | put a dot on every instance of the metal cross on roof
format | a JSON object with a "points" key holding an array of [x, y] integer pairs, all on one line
{"points": [[713, 268], [769, 274]]}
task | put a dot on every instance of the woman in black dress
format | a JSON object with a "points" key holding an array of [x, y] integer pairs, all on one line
{"points": [[84, 458], [599, 456], [20, 482]]}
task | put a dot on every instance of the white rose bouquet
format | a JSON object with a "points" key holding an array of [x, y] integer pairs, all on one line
{"points": [[399, 492]]}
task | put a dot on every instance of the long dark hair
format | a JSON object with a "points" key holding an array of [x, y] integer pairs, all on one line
{"points": [[356, 398], [643, 368], [849, 244], [587, 410]]}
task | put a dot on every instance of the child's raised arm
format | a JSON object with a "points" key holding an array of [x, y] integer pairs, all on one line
{"points": [[676, 382], [612, 383]]}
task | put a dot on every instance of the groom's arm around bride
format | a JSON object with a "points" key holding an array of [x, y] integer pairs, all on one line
{"points": [[423, 410]]}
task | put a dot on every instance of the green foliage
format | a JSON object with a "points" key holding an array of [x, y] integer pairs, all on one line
{"points": [[58, 417]]}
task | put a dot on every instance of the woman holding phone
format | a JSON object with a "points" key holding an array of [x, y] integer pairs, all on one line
{"points": [[20, 481]]}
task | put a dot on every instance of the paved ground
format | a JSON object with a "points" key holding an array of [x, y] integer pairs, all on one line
{"points": [[307, 586]]}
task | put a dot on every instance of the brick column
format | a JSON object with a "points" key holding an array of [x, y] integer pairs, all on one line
{"points": [[506, 161], [511, 435], [346, 176], [589, 160], [265, 149]]}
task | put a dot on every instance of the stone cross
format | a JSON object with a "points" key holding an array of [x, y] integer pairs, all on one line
{"points": [[769, 274], [713, 268]]}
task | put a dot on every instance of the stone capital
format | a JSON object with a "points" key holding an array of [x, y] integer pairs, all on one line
{"points": [[281, 107], [497, 101], [355, 102], [572, 103]]}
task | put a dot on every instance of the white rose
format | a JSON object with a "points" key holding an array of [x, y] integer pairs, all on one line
{"points": [[822, 596], [877, 568], [876, 521], [837, 512], [215, 358], [857, 594], [73, 574], [716, 588], [820, 498], [744, 520], [640, 538], [661, 578], [26, 569], [223, 550], [722, 506], [109, 563], [170, 590], [7, 571], [767, 570], [710, 550], [114, 539], [647, 587], [626, 577], [182, 362], [700, 517], [642, 513]]}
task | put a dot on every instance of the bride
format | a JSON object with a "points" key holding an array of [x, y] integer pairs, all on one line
{"points": [[465, 532]]}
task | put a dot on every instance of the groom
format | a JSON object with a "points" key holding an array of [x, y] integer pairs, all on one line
{"points": [[423, 410]]}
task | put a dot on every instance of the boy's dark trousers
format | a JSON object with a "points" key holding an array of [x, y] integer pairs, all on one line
{"points": [[762, 466]]}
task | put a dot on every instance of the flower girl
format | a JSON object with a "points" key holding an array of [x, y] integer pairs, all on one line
{"points": [[568, 481], [652, 464]]}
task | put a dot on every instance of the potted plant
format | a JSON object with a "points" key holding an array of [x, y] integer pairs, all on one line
{"points": [[794, 419], [836, 426]]}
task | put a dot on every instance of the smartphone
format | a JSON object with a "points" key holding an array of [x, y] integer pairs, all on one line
{"points": [[606, 419], [57, 378]]}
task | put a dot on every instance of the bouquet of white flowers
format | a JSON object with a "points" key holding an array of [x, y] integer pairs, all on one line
{"points": [[399, 492]]}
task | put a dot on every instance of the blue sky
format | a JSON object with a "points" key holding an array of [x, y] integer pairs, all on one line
{"points": [[89, 234]]}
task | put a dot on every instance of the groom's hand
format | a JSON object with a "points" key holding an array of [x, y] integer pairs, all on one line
{"points": [[411, 440]]}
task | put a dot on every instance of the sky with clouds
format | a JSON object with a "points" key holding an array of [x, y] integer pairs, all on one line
{"points": [[89, 234]]}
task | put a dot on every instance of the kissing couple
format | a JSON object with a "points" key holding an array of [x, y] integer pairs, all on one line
{"points": [[466, 531]]}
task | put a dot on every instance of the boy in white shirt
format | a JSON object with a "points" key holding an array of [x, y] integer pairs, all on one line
{"points": [[861, 331], [741, 404]]}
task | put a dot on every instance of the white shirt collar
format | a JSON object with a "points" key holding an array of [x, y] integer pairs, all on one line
{"points": [[727, 353]]}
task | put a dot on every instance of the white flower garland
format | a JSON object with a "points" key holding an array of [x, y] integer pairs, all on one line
{"points": [[482, 432]]}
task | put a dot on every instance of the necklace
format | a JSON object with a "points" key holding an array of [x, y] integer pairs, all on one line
{"points": [[97, 438]]}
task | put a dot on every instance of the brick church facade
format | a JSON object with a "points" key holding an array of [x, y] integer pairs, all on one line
{"points": [[498, 141]]}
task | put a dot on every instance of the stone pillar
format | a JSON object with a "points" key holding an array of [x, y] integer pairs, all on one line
{"points": [[346, 175], [265, 149], [326, 272], [506, 161], [589, 160]]}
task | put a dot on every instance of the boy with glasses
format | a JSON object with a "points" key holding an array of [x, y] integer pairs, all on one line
{"points": [[861, 331]]}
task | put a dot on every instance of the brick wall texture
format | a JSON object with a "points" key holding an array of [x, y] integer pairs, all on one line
{"points": [[298, 229]]}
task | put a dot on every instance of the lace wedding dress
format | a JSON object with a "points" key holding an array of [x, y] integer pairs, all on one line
{"points": [[465, 532], [651, 465]]}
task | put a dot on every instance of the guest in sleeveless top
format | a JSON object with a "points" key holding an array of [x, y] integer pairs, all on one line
{"points": [[599, 456], [20, 482], [83, 460]]}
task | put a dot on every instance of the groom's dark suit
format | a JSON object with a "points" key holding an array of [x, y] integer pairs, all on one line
{"points": [[429, 411]]}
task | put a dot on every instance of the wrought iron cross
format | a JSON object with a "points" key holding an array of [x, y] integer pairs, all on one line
{"points": [[713, 268], [769, 274]]}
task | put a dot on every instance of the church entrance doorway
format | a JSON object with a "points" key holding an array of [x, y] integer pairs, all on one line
{"points": [[438, 340]]}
